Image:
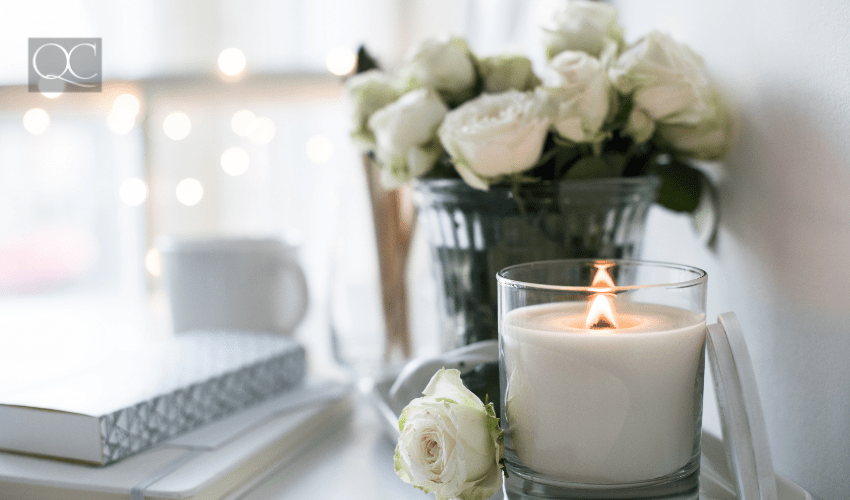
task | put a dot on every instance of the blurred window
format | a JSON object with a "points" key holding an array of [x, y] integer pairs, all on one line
{"points": [[220, 117]]}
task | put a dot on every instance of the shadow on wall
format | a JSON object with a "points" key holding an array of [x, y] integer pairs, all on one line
{"points": [[787, 207]]}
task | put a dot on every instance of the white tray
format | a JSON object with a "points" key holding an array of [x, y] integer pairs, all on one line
{"points": [[715, 479]]}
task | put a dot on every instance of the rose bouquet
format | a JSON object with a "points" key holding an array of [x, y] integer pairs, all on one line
{"points": [[602, 109]]}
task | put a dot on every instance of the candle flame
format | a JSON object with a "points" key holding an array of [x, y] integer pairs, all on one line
{"points": [[602, 279], [601, 313]]}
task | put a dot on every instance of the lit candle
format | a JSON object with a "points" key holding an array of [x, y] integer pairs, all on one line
{"points": [[603, 395]]}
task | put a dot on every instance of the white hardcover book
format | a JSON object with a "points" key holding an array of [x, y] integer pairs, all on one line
{"points": [[217, 461], [133, 400]]}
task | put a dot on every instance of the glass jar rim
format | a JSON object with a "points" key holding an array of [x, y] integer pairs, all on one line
{"points": [[700, 279]]}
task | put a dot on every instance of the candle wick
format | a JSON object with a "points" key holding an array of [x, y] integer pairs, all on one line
{"points": [[603, 324]]}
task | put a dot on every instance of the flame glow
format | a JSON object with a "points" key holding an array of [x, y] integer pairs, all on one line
{"points": [[602, 279], [601, 314]]}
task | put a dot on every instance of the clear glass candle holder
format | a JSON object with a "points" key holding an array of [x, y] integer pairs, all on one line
{"points": [[601, 366]]}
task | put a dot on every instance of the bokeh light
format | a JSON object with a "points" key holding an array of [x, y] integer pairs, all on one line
{"points": [[120, 122], [133, 191], [231, 61], [320, 149], [153, 262], [234, 161], [244, 123], [36, 121], [126, 104], [189, 191], [341, 60], [177, 126], [263, 131]]}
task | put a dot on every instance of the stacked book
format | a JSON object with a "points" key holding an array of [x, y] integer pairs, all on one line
{"points": [[200, 416]]}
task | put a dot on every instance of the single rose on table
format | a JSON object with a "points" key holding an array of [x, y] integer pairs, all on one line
{"points": [[450, 442]]}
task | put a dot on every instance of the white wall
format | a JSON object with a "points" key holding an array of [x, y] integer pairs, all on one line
{"points": [[781, 262]]}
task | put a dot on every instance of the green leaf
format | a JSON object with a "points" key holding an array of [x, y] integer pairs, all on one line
{"points": [[592, 167], [616, 162], [681, 187]]}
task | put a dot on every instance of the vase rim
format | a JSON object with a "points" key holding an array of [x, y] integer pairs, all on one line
{"points": [[648, 180], [700, 275]]}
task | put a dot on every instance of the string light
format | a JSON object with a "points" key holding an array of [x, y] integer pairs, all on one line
{"points": [[153, 262], [36, 121], [234, 161], [189, 192], [177, 126], [341, 60], [231, 61], [133, 191]]}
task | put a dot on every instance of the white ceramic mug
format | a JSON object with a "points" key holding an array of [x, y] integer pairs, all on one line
{"points": [[229, 283]]}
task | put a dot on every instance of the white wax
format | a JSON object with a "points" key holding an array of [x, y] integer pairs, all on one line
{"points": [[603, 406]]}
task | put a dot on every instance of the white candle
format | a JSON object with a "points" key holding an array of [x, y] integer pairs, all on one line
{"points": [[603, 406]]}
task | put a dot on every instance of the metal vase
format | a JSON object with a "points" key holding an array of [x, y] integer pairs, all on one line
{"points": [[473, 234]]}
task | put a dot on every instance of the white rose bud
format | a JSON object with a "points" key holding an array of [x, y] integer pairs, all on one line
{"points": [[669, 84], [405, 135], [450, 443], [584, 98], [368, 92], [443, 64], [505, 72], [590, 27], [639, 126], [495, 135]]}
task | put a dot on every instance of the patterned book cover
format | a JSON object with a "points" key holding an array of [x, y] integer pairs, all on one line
{"points": [[137, 399]]}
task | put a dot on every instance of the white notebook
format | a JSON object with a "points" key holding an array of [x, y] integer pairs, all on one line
{"points": [[134, 399], [217, 461]]}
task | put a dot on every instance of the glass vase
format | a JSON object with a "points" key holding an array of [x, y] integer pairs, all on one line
{"points": [[473, 234]]}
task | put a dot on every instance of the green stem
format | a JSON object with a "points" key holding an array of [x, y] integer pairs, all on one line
{"points": [[546, 157]]}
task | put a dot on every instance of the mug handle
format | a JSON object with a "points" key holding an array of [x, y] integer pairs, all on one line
{"points": [[298, 306]]}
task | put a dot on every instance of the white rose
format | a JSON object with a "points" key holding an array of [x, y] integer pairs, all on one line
{"points": [[443, 64], [669, 84], [505, 72], [368, 92], [583, 99], [405, 135], [495, 135], [590, 27], [707, 140], [450, 443], [667, 80]]}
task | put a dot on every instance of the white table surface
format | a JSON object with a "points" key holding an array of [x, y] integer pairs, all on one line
{"points": [[352, 462]]}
